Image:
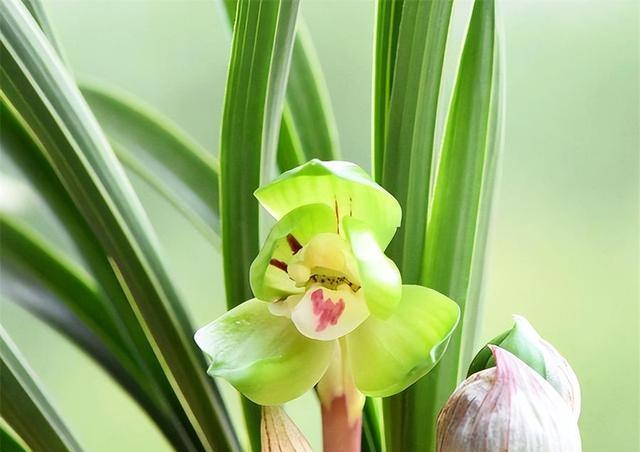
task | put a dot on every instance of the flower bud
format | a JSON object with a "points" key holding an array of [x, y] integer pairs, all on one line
{"points": [[506, 408], [278, 432], [524, 342]]}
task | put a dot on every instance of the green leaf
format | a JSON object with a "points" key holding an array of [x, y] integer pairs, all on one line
{"points": [[25, 407], [388, 18], [38, 87], [308, 128], [18, 145], [37, 10], [262, 355], [410, 45], [464, 174], [343, 186], [410, 126], [170, 162], [270, 283], [261, 49], [379, 276], [9, 440], [44, 282], [28, 254], [372, 428], [389, 355]]}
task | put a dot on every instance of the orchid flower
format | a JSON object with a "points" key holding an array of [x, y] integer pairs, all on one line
{"points": [[329, 307]]}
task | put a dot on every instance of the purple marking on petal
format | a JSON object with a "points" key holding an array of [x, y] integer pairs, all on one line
{"points": [[327, 311]]}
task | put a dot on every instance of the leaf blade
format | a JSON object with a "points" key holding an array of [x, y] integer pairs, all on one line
{"points": [[464, 174], [37, 85], [175, 166], [261, 49], [18, 144], [25, 407]]}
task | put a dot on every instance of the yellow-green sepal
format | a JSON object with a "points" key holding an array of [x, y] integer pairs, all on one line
{"points": [[270, 283], [379, 276], [387, 356], [343, 186], [263, 356]]}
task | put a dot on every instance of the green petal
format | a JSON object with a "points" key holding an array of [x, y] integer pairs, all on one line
{"points": [[271, 283], [389, 355], [263, 356], [379, 276], [335, 183]]}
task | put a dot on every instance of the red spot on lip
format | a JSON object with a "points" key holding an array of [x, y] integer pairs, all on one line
{"points": [[326, 310]]}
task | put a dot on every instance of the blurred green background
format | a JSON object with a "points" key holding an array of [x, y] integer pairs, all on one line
{"points": [[564, 248]]}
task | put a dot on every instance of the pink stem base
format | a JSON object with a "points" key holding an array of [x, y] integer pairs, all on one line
{"points": [[337, 434]]}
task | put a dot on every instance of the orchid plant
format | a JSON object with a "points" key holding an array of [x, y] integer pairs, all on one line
{"points": [[330, 307]]}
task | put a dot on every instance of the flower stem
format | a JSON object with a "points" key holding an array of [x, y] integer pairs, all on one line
{"points": [[339, 433]]}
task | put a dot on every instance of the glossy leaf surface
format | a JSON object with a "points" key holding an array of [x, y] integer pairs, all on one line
{"points": [[26, 408], [464, 175], [262, 43], [171, 163], [40, 89]]}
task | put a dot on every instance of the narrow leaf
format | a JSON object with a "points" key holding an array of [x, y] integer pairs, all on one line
{"points": [[468, 155], [17, 144], [411, 124], [25, 407], [171, 163], [39, 88], [261, 50], [308, 118], [410, 50], [55, 290], [9, 440], [308, 128], [37, 10], [26, 253], [388, 17]]}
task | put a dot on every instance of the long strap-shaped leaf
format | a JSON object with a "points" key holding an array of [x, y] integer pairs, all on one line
{"points": [[260, 55], [9, 440], [175, 166], [308, 129], [388, 18], [407, 121], [171, 163], [124, 328], [44, 282], [40, 89], [452, 236], [410, 126], [24, 253], [25, 407], [308, 126]]}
